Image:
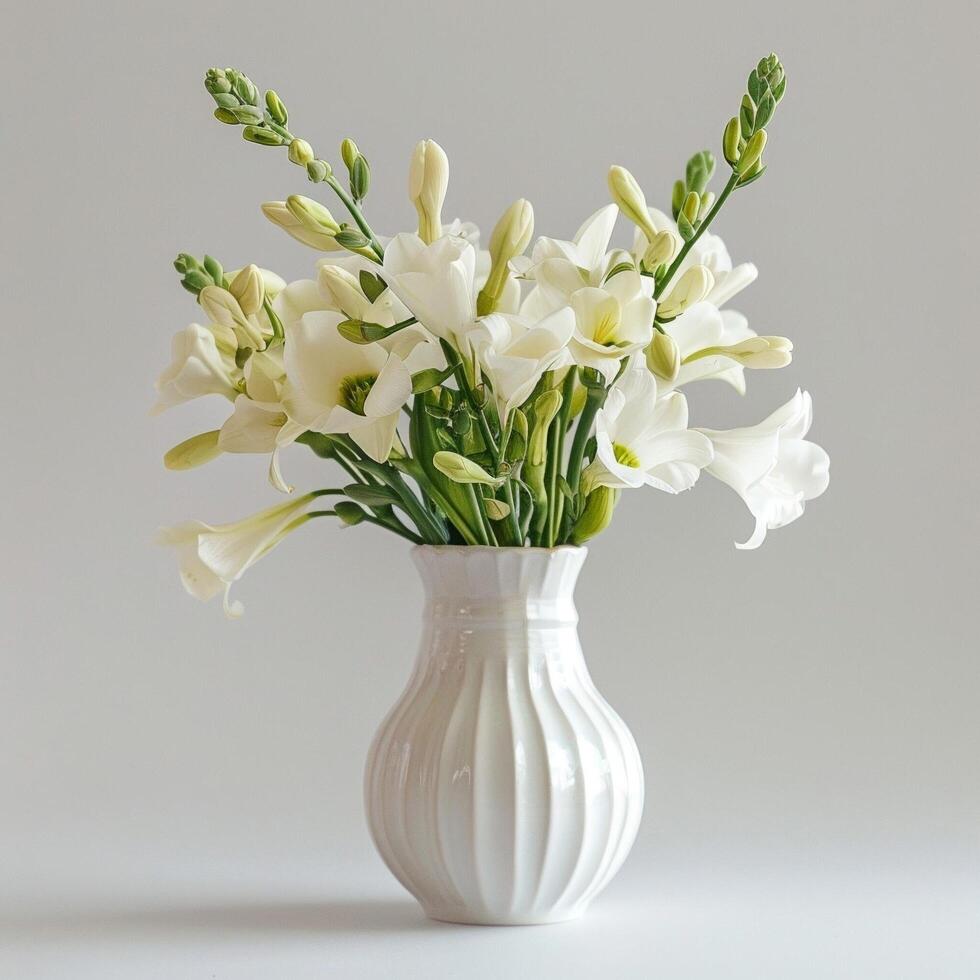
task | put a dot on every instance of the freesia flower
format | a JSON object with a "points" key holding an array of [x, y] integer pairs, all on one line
{"points": [[197, 368], [335, 386], [611, 323], [771, 466], [436, 282], [515, 352], [644, 440], [212, 557]]}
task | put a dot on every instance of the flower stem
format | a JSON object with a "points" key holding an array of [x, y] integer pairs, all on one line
{"points": [[356, 214], [593, 403], [702, 228]]}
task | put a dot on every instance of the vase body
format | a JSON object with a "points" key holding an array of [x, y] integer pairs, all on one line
{"points": [[502, 788]]}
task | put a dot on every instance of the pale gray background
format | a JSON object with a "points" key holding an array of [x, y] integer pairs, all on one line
{"points": [[181, 795]]}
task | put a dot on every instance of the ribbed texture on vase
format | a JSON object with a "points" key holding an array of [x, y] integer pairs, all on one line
{"points": [[502, 788]]}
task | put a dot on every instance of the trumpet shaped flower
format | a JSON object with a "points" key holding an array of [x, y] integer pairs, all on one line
{"points": [[515, 352], [771, 466], [642, 439], [335, 386], [212, 557], [435, 282], [198, 367], [611, 323]]}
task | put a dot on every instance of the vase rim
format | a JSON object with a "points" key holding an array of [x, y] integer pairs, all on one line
{"points": [[472, 548]]}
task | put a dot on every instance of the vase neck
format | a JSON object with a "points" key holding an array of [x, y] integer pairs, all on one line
{"points": [[490, 587]]}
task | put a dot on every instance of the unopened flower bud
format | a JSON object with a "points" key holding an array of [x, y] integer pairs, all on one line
{"points": [[663, 357], [248, 287], [262, 136], [661, 250], [216, 81], [729, 143], [279, 214], [300, 152], [691, 288], [752, 152], [692, 204], [225, 116], [276, 109], [546, 407], [627, 194], [193, 452], [509, 239], [312, 214], [348, 152], [707, 199], [247, 115], [596, 515], [318, 170], [428, 181]]}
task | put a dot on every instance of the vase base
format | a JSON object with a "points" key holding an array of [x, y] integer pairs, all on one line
{"points": [[464, 918]]}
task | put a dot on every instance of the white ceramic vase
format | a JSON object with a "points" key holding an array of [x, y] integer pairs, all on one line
{"points": [[502, 789]]}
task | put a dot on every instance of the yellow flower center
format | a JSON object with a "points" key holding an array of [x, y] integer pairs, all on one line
{"points": [[626, 456], [354, 390]]}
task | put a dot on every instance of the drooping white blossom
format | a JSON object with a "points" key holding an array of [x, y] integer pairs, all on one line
{"points": [[771, 466]]}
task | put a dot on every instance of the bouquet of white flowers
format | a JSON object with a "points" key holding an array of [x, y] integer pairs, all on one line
{"points": [[482, 397]]}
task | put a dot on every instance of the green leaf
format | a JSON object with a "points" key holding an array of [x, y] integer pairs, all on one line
{"points": [[371, 285], [428, 379], [349, 513], [371, 496]]}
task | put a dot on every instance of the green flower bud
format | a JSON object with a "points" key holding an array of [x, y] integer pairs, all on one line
{"points": [[349, 152], [318, 170], [360, 178], [459, 469], [663, 356], [692, 204], [349, 512], [546, 407], [276, 109], [301, 153], [262, 136], [226, 116], [248, 115], [707, 200], [216, 81], [213, 268], [752, 152], [193, 452], [244, 88], [596, 515], [729, 142]]}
